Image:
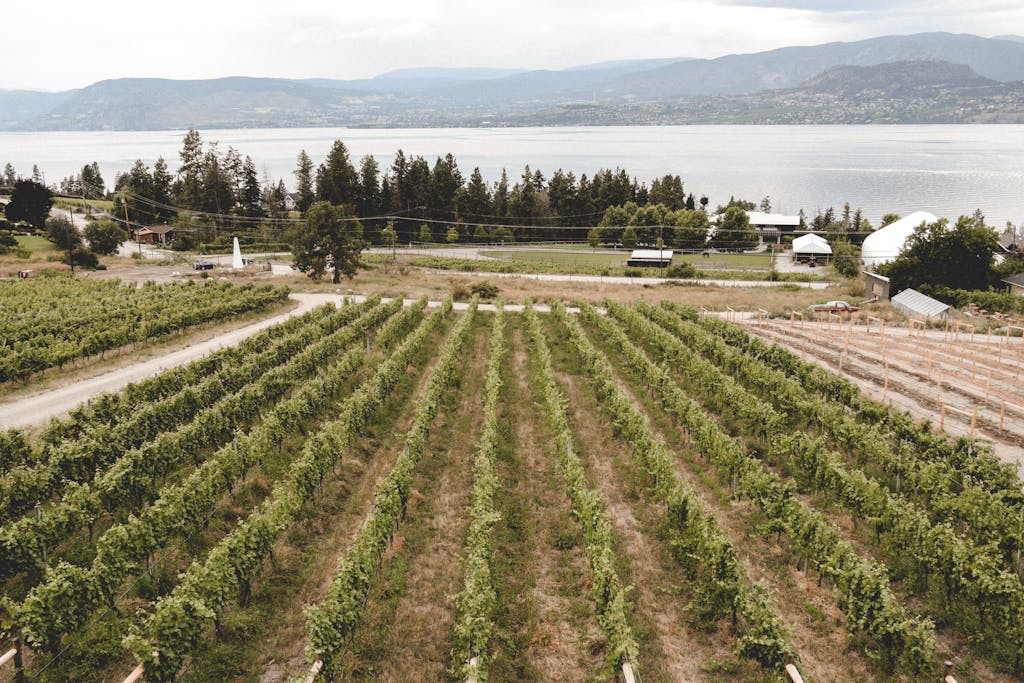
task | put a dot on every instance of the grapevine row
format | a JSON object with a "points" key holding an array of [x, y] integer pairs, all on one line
{"points": [[476, 602], [79, 460], [331, 622], [179, 620], [45, 325], [697, 540], [132, 477], [862, 586], [606, 590], [948, 496], [972, 457], [112, 408], [69, 594], [972, 573]]}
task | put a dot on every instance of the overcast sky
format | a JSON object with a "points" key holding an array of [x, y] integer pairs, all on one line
{"points": [[59, 45]]}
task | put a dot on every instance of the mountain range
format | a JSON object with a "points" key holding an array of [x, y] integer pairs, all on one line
{"points": [[926, 77]]}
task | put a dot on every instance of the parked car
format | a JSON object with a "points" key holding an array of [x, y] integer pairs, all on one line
{"points": [[203, 265], [833, 307]]}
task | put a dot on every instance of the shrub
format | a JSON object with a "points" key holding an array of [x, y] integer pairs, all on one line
{"points": [[485, 290], [682, 270]]}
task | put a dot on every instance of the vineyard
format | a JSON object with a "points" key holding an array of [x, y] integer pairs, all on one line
{"points": [[379, 492], [50, 322]]}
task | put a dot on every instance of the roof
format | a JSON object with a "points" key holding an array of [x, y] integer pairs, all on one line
{"points": [[156, 230], [1015, 280], [913, 302], [762, 218], [885, 244], [811, 244], [650, 254]]}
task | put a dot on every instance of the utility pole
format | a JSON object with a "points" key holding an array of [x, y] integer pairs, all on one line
{"points": [[127, 224]]}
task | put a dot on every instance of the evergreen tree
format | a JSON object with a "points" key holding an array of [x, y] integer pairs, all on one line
{"points": [[336, 179], [501, 195], [250, 200], [370, 195], [190, 172], [475, 199], [331, 240], [304, 182]]}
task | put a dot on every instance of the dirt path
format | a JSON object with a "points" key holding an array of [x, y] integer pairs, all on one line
{"points": [[39, 408], [546, 628], [406, 633]]}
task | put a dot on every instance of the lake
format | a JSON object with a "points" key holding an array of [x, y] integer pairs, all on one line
{"points": [[947, 170]]}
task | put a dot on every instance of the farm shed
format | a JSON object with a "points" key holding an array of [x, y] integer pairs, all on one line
{"points": [[913, 302], [155, 234], [652, 258], [885, 244], [811, 248], [876, 285]]}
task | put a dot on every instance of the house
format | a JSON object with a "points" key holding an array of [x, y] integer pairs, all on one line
{"points": [[651, 258], [771, 226], [1016, 283], [155, 234], [811, 248]]}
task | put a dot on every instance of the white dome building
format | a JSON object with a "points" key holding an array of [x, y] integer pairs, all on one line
{"points": [[885, 244]]}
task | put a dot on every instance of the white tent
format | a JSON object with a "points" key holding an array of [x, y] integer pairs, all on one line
{"points": [[885, 244], [811, 245]]}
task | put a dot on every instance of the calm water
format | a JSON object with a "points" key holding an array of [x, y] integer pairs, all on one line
{"points": [[947, 170]]}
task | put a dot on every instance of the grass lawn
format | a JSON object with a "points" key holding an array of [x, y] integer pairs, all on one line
{"points": [[34, 243], [613, 258], [605, 259], [104, 204]]}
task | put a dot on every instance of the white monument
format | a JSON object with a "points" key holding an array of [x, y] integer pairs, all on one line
{"points": [[236, 257]]}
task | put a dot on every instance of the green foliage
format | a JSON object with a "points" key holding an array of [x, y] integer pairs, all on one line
{"points": [[682, 270], [606, 589], [34, 334], [846, 258], [734, 230], [629, 238], [105, 237], [477, 601], [30, 202], [331, 240], [331, 622], [452, 236], [179, 620], [425, 234], [180, 508], [485, 290], [1004, 302], [958, 257], [594, 237]]}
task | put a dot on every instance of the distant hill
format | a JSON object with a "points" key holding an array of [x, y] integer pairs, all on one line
{"points": [[898, 92], [970, 74]]}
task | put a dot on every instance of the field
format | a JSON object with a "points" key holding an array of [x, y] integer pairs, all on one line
{"points": [[420, 493], [617, 258]]}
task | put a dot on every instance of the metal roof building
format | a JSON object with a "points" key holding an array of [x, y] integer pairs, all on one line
{"points": [[655, 258], [913, 302]]}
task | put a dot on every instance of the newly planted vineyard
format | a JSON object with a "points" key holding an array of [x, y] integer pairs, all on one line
{"points": [[379, 492]]}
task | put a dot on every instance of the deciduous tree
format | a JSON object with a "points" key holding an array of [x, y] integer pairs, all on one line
{"points": [[30, 202]]}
